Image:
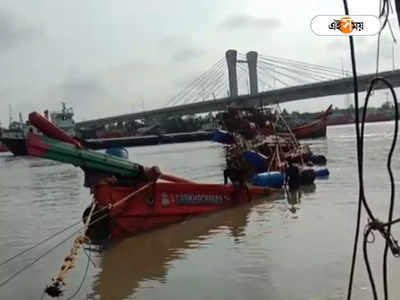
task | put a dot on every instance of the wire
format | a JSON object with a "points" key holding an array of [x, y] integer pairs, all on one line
{"points": [[26, 267], [367, 264], [38, 244], [359, 158], [373, 224], [388, 166], [3, 283]]}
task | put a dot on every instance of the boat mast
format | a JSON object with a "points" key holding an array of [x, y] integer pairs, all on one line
{"points": [[9, 114]]}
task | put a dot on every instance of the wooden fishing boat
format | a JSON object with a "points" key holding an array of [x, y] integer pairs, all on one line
{"points": [[3, 148], [162, 203], [129, 197], [314, 129], [260, 145]]}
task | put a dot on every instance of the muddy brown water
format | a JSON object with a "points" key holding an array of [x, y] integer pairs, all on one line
{"points": [[269, 249]]}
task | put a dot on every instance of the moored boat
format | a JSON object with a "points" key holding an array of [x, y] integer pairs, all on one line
{"points": [[162, 203], [313, 129], [3, 148], [258, 151], [13, 138]]}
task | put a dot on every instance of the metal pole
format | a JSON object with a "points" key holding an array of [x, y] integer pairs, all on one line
{"points": [[9, 114], [393, 66]]}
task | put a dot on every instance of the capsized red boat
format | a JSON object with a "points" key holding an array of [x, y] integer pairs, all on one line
{"points": [[128, 197], [162, 203]]}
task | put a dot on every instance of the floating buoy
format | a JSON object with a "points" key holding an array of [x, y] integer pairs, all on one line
{"points": [[268, 179], [118, 151], [257, 160], [318, 159], [222, 137], [307, 176], [321, 172]]}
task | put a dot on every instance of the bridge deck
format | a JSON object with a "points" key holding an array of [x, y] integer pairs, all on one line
{"points": [[301, 92]]}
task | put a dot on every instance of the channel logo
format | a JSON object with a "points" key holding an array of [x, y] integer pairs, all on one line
{"points": [[340, 25]]}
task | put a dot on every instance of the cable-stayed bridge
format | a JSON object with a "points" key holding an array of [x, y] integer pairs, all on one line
{"points": [[252, 79]]}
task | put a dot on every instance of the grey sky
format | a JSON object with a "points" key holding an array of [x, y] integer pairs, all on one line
{"points": [[109, 57]]}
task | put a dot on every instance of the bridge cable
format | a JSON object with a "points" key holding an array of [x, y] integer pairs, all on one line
{"points": [[200, 78], [306, 68], [258, 77], [322, 72], [265, 72], [296, 71], [211, 86], [205, 84], [298, 80], [331, 69], [285, 73], [198, 81], [193, 93]]}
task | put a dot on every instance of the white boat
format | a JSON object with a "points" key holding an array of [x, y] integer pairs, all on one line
{"points": [[64, 119]]}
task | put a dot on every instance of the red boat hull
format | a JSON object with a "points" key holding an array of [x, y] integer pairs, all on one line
{"points": [[164, 203], [314, 129], [3, 148]]}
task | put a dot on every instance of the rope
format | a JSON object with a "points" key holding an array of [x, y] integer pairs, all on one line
{"points": [[83, 279], [26, 267], [69, 262]]}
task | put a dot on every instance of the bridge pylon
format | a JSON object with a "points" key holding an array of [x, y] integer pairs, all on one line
{"points": [[231, 60], [252, 64]]}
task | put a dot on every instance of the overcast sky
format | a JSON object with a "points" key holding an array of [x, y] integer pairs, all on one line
{"points": [[110, 57]]}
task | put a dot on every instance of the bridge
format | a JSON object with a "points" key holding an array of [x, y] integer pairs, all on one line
{"points": [[282, 81]]}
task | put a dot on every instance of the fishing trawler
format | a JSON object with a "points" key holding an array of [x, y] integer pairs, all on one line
{"points": [[3, 148], [259, 151], [64, 119], [14, 138]]}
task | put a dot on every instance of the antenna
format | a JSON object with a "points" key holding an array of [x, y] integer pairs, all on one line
{"points": [[393, 64], [9, 114]]}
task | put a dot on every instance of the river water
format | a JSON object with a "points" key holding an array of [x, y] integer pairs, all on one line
{"points": [[266, 250]]}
